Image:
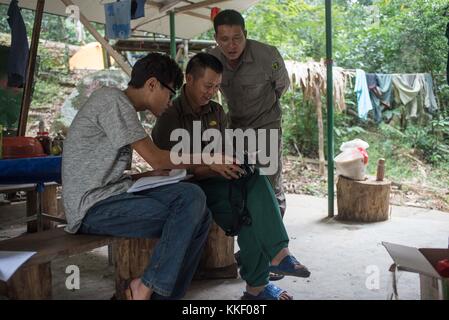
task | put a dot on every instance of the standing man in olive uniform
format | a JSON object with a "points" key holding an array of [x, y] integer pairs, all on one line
{"points": [[254, 80]]}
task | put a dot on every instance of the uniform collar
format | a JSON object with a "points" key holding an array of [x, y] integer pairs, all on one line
{"points": [[248, 53], [247, 56], [187, 109]]}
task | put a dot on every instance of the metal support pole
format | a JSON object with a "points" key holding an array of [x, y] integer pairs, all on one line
{"points": [[106, 56], [31, 66], [172, 35], [330, 111]]}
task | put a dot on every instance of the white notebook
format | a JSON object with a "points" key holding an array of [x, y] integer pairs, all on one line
{"points": [[10, 261], [174, 176]]}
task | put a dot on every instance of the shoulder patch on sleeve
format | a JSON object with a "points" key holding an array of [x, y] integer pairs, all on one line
{"points": [[275, 65]]}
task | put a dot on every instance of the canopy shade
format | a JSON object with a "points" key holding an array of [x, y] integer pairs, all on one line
{"points": [[192, 16]]}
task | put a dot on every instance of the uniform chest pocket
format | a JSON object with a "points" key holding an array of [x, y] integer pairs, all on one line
{"points": [[254, 86]]}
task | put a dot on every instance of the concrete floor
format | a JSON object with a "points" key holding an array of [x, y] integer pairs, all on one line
{"points": [[344, 258]]}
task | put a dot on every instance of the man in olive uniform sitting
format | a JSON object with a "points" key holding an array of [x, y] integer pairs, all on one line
{"points": [[264, 241]]}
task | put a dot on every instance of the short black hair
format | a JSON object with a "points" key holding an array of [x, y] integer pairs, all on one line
{"points": [[199, 62], [229, 17], [157, 65]]}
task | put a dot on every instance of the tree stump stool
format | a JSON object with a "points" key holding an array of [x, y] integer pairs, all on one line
{"points": [[131, 257], [218, 260], [363, 201]]}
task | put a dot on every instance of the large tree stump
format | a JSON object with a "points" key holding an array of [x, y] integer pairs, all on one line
{"points": [[30, 283], [364, 201], [218, 256], [131, 257]]}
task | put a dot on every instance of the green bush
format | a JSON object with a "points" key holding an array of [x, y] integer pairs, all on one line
{"points": [[300, 130]]}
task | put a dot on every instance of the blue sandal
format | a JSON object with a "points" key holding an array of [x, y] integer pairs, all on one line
{"points": [[270, 292], [287, 268]]}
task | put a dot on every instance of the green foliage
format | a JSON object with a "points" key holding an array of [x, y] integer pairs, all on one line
{"points": [[45, 92], [300, 133], [391, 36], [433, 140]]}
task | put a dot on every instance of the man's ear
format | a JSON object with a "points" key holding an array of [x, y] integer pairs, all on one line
{"points": [[189, 78], [245, 33], [151, 83]]}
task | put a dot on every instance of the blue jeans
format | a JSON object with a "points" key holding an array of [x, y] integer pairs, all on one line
{"points": [[177, 214]]}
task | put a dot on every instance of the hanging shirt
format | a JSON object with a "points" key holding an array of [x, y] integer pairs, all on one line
{"points": [[137, 9], [363, 97], [18, 54], [118, 19], [385, 87], [380, 87], [430, 101]]}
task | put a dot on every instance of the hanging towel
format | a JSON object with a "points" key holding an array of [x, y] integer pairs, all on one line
{"points": [[18, 53], [363, 97], [137, 9], [408, 87], [374, 94], [118, 19]]}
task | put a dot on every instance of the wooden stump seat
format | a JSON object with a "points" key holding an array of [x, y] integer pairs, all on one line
{"points": [[131, 256], [33, 280], [363, 201]]}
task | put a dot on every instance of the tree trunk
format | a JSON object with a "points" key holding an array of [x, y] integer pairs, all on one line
{"points": [[218, 256], [319, 115], [31, 283], [363, 201], [131, 257]]}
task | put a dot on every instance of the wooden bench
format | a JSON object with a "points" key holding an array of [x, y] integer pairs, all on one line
{"points": [[33, 280]]}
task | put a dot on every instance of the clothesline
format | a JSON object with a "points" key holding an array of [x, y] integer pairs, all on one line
{"points": [[383, 90], [376, 90]]}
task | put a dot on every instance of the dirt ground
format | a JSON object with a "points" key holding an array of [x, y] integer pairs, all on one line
{"points": [[301, 176]]}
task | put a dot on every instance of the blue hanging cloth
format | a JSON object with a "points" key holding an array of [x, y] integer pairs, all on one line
{"points": [[137, 9], [18, 53], [118, 19]]}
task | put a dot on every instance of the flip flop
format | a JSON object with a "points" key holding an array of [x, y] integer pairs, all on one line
{"points": [[275, 276], [270, 292], [287, 268]]}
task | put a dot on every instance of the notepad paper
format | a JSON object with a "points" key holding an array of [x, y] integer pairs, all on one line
{"points": [[10, 261], [174, 176]]}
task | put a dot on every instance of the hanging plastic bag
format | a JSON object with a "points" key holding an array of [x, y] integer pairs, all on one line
{"points": [[351, 162]]}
